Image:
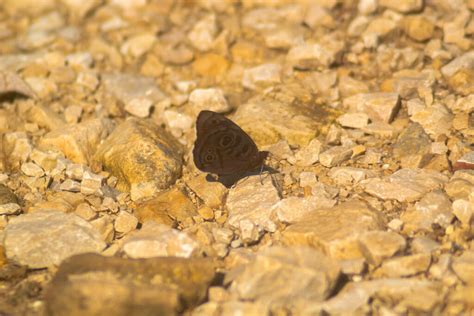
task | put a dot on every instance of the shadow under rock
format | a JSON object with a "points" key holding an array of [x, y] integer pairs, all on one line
{"points": [[229, 180]]}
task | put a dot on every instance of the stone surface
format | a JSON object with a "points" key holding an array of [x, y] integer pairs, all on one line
{"points": [[314, 56], [436, 119], [413, 147], [158, 240], [405, 185], [380, 245], [154, 157], [43, 239], [335, 156], [208, 99], [95, 285], [350, 175], [335, 230], [405, 266], [212, 193], [463, 266], [378, 106], [353, 120], [125, 222], [308, 275], [262, 76], [251, 201], [293, 209]]}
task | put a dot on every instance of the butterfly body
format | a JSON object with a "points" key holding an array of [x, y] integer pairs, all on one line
{"points": [[223, 148]]}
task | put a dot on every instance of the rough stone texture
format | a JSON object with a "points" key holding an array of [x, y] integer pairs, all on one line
{"points": [[158, 240], [413, 147], [93, 285], [378, 106], [349, 175], [405, 266], [43, 239], [405, 185], [212, 193], [379, 245], [249, 200], [293, 209], [307, 274], [335, 230], [154, 155], [463, 266], [334, 156]]}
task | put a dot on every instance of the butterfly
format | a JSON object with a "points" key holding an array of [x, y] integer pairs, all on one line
{"points": [[223, 148]]}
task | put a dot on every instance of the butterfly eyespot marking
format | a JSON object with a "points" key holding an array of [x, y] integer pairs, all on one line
{"points": [[209, 157], [225, 141]]}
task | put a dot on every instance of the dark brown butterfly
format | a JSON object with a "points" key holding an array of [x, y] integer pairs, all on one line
{"points": [[223, 148]]}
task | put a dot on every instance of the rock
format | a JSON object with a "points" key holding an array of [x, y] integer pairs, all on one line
{"points": [[376, 246], [155, 240], [12, 83], [413, 294], [293, 209], [353, 120], [309, 154], [7, 196], [405, 185], [350, 175], [262, 76], [104, 225], [77, 142], [17, 147], [465, 162], [405, 266], [138, 45], [166, 208], [413, 147], [418, 28], [208, 99], [334, 156], [85, 211], [139, 151], [91, 183], [277, 120], [9, 209], [349, 86], [308, 275], [423, 244], [137, 93], [249, 200], [94, 285], [379, 106], [143, 190], [436, 120], [433, 208], [335, 230], [458, 73], [42, 239], [210, 65], [212, 193], [203, 33], [283, 38], [308, 56], [44, 117], [460, 185], [463, 266], [125, 222], [404, 6], [464, 211]]}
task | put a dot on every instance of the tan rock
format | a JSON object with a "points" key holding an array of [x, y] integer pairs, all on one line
{"points": [[413, 147], [463, 266], [378, 106], [335, 156], [123, 152], [212, 193], [125, 222], [210, 65], [404, 6], [418, 28], [377, 246], [405, 266], [335, 230]]}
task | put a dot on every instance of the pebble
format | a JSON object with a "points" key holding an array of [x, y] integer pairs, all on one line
{"points": [[45, 238], [203, 33], [380, 245], [379, 106], [212, 193], [125, 222], [9, 208], [85, 211], [308, 56], [91, 183], [404, 6], [262, 76], [70, 185], [413, 147], [353, 120], [405, 266], [350, 175], [31, 169], [464, 211], [335, 156], [154, 240], [208, 99]]}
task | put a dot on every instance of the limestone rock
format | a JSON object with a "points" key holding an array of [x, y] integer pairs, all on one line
{"points": [[212, 193], [380, 245], [379, 106], [413, 147], [405, 266]]}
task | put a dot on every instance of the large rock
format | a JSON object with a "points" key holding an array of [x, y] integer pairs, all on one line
{"points": [[284, 277], [94, 285], [138, 151], [335, 230], [45, 238]]}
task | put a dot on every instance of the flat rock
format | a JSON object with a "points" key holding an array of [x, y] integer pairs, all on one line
{"points": [[77, 142], [293, 209], [334, 156], [211, 192], [403, 6], [405, 266], [308, 275], [413, 147], [139, 151], [436, 119], [251, 201], [434, 208], [379, 106], [380, 245], [262, 76], [96, 285], [353, 120], [335, 230], [463, 266], [405, 185], [211, 99], [315, 56], [45, 238], [309, 154], [461, 184], [350, 175], [158, 240]]}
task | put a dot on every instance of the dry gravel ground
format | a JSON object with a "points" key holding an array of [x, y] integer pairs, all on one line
{"points": [[367, 108]]}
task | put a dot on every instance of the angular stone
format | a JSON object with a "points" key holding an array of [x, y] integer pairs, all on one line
{"points": [[465, 162], [350, 175], [405, 266], [353, 120], [379, 106], [292, 209], [436, 119], [434, 208], [43, 239], [464, 211], [463, 266], [91, 183], [158, 240], [334, 156], [418, 28], [314, 56], [249, 200], [335, 230], [203, 33], [12, 83], [423, 244], [9, 209], [405, 185], [16, 147], [309, 154], [166, 208], [96, 285], [413, 147], [7, 196], [212, 193], [403, 6], [77, 142], [262, 76], [461, 185], [125, 222], [208, 99], [308, 275], [377, 246], [139, 151]]}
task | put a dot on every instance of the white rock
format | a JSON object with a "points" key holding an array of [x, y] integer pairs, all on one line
{"points": [[262, 76], [45, 238], [139, 107], [9, 209], [208, 99], [307, 179], [31, 169], [203, 33]]}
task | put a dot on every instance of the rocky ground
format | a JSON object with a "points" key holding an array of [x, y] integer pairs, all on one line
{"points": [[366, 106]]}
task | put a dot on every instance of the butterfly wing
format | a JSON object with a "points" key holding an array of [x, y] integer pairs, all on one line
{"points": [[222, 147]]}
